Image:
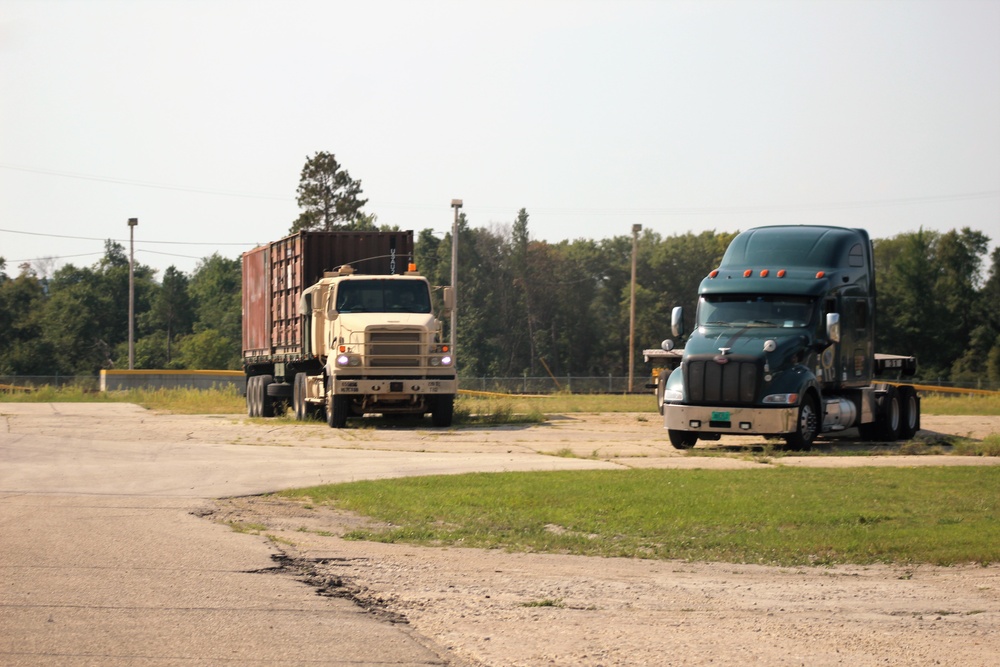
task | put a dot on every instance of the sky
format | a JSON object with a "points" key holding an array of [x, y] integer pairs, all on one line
{"points": [[196, 117]]}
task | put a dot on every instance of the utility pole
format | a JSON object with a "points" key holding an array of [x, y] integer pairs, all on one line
{"points": [[455, 204], [631, 316], [132, 222]]}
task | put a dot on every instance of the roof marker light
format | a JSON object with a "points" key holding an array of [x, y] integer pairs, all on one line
{"points": [[713, 273], [820, 274], [781, 273], [763, 274], [748, 273]]}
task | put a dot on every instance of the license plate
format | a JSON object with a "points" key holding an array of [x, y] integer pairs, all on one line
{"points": [[720, 416]]}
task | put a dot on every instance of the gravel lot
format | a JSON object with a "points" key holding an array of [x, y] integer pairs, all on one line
{"points": [[492, 608]]}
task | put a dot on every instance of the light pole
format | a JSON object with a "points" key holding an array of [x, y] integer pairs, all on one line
{"points": [[631, 315], [132, 222], [455, 204]]}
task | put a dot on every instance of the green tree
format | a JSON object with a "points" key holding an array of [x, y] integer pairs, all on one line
{"points": [[23, 348], [329, 197], [207, 350], [215, 289], [171, 312]]}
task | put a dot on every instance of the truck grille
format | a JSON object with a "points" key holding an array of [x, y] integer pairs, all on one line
{"points": [[734, 382], [394, 349]]}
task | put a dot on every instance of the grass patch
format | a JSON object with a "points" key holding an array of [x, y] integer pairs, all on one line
{"points": [[959, 404], [774, 515], [220, 400]]}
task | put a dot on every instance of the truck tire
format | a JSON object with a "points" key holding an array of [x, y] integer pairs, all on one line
{"points": [[888, 423], [337, 407], [252, 408], [682, 439], [299, 397], [806, 426], [909, 405], [442, 410], [661, 387], [265, 400]]}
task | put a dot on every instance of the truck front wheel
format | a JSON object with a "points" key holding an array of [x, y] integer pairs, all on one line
{"points": [[336, 410], [682, 439], [806, 427], [442, 410]]}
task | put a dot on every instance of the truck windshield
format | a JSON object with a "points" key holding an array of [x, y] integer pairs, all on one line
{"points": [[383, 296], [767, 310]]}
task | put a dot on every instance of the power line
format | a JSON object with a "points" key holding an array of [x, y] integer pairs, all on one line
{"points": [[142, 184], [93, 238]]}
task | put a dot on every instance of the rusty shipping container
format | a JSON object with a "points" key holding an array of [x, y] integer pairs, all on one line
{"points": [[274, 276]]}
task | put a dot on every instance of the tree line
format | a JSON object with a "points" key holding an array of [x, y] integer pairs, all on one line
{"points": [[526, 306]]}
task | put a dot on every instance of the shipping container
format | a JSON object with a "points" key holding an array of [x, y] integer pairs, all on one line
{"points": [[274, 276]]}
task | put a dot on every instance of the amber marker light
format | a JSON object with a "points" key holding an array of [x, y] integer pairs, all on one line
{"points": [[820, 274], [748, 273], [713, 274], [763, 274], [781, 273]]}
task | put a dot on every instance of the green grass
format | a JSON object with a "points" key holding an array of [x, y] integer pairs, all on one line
{"points": [[959, 404], [781, 516]]}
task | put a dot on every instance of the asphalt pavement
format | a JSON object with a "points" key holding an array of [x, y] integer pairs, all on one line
{"points": [[106, 559]]}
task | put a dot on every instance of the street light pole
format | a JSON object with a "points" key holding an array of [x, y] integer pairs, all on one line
{"points": [[631, 316], [132, 222], [455, 204]]}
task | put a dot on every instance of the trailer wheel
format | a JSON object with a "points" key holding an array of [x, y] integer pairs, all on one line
{"points": [[442, 410], [263, 398], [806, 427], [337, 407], [252, 409], [299, 397], [887, 424], [909, 405], [682, 439]]}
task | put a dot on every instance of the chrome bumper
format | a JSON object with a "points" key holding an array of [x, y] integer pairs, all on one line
{"points": [[741, 421]]}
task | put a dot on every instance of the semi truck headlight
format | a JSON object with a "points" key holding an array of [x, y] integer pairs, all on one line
{"points": [[782, 399], [446, 361], [670, 395]]}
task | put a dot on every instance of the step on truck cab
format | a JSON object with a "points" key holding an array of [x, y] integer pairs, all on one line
{"points": [[783, 345], [339, 325]]}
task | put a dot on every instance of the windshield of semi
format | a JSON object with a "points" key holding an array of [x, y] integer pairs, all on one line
{"points": [[383, 296], [741, 310]]}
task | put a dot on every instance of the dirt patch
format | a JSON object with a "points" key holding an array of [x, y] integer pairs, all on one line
{"points": [[494, 608]]}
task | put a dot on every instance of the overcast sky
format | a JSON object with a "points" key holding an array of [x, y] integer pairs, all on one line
{"points": [[196, 117]]}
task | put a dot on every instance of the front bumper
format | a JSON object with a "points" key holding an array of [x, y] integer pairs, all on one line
{"points": [[395, 387], [731, 420]]}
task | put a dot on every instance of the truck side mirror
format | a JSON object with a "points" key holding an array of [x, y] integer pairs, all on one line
{"points": [[448, 297], [677, 321], [331, 306], [833, 327]]}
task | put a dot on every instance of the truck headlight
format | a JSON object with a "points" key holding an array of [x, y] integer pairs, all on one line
{"points": [[671, 395], [348, 360], [782, 399], [446, 360]]}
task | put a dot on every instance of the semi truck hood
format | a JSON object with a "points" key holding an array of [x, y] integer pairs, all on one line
{"points": [[749, 342]]}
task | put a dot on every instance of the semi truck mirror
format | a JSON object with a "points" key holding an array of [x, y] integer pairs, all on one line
{"points": [[448, 297], [677, 321], [667, 345], [833, 327], [331, 307]]}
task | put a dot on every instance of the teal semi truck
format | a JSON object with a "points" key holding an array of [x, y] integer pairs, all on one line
{"points": [[783, 345]]}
